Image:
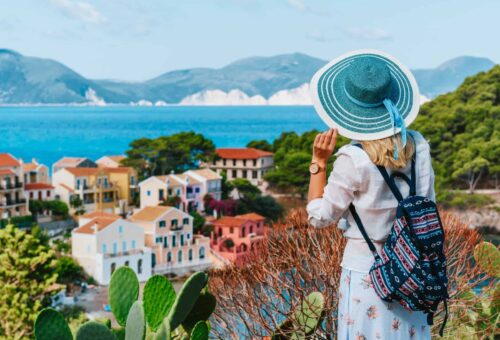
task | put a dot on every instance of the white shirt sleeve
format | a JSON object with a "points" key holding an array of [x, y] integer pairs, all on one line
{"points": [[337, 195]]}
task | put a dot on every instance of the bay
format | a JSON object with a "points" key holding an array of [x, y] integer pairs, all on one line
{"points": [[49, 133]]}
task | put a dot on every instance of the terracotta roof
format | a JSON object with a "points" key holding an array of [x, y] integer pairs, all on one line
{"points": [[8, 160], [66, 187], [27, 167], [149, 213], [230, 221], [69, 161], [252, 217], [184, 176], [6, 172], [38, 186], [242, 153], [207, 173], [100, 214], [99, 222]]}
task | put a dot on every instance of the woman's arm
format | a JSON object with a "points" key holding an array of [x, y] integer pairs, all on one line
{"points": [[323, 147]]}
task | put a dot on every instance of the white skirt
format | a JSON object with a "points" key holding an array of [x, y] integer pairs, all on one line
{"points": [[362, 315]]}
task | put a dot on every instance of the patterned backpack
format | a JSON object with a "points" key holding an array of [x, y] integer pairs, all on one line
{"points": [[411, 267]]}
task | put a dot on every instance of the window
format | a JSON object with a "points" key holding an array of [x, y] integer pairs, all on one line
{"points": [[179, 256], [162, 224], [245, 173], [139, 266], [182, 239], [133, 244], [190, 254], [188, 235], [185, 221], [159, 240], [173, 241], [214, 162], [244, 162], [234, 161], [115, 248], [48, 193], [202, 253], [178, 192], [113, 267], [169, 257], [231, 230], [78, 184], [103, 249], [31, 194], [169, 192], [124, 246], [224, 162], [173, 223], [254, 174], [161, 194], [165, 242], [148, 193], [132, 180], [197, 190], [127, 263], [120, 229], [235, 174], [254, 162], [243, 232], [251, 229]]}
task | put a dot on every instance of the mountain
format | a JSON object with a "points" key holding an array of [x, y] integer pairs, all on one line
{"points": [[449, 75], [276, 80]]}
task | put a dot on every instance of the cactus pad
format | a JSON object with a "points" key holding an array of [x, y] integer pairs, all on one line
{"points": [[308, 316], [50, 324], [95, 331], [487, 257], [200, 331], [136, 323], [163, 332], [123, 292], [158, 298], [202, 309], [187, 298]]}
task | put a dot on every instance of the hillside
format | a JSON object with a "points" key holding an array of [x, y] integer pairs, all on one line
{"points": [[464, 131]]}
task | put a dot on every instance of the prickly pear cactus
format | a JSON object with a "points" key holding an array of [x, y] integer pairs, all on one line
{"points": [[200, 331], [487, 257], [202, 309], [163, 332], [158, 299], [186, 299], [50, 324], [123, 292], [310, 313], [95, 331], [136, 323]]}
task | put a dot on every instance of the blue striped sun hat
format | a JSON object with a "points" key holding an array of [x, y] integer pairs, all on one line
{"points": [[366, 95]]}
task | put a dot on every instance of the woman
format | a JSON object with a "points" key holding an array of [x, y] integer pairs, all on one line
{"points": [[371, 98]]}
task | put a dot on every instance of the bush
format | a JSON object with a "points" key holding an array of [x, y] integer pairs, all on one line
{"points": [[296, 259], [68, 270], [462, 200]]}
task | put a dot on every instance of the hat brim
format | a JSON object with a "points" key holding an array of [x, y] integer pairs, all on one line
{"points": [[356, 122]]}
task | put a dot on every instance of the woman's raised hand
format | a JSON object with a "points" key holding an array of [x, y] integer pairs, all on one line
{"points": [[323, 147]]}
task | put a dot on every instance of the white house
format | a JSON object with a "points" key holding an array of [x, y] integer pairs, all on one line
{"points": [[39, 191], [169, 233], [104, 242], [110, 161]]}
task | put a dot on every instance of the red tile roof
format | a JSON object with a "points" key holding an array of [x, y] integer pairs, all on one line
{"points": [[252, 217], [38, 186], [27, 167], [238, 220], [7, 160], [6, 172], [242, 153], [98, 223]]}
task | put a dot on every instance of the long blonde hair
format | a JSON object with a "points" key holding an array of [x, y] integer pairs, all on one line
{"points": [[381, 151]]}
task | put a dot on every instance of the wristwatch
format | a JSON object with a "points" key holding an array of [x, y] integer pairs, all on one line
{"points": [[315, 168]]}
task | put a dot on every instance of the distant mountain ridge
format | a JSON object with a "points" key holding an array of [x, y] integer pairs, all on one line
{"points": [[276, 80]]}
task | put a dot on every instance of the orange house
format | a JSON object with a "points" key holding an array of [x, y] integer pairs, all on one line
{"points": [[235, 237]]}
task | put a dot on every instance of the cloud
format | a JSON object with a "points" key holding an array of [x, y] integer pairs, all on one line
{"points": [[361, 33], [319, 37], [80, 10]]}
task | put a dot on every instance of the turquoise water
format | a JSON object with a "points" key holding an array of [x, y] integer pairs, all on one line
{"points": [[49, 133]]}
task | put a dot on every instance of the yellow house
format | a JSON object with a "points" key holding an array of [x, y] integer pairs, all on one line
{"points": [[100, 189]]}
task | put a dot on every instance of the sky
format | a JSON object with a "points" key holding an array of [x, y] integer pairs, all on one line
{"points": [[136, 40]]}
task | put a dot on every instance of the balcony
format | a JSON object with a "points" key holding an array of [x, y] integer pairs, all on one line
{"points": [[10, 186], [12, 203]]}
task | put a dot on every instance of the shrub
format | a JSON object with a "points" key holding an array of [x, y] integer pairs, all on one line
{"points": [[296, 259]]}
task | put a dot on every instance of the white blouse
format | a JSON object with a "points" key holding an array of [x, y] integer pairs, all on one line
{"points": [[356, 179]]}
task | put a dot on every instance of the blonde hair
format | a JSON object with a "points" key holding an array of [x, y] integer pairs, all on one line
{"points": [[381, 151]]}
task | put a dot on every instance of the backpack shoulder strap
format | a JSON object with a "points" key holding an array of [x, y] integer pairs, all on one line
{"points": [[361, 228]]}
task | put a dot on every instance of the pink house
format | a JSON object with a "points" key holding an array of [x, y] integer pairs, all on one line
{"points": [[235, 237]]}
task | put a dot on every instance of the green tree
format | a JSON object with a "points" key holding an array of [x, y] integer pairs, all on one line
{"points": [[261, 144], [26, 272], [36, 207], [76, 203], [177, 152], [57, 207], [198, 221], [68, 270]]}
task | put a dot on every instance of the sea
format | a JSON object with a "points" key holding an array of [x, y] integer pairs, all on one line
{"points": [[48, 133]]}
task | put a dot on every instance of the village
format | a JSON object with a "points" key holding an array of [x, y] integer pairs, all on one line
{"points": [[115, 219]]}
